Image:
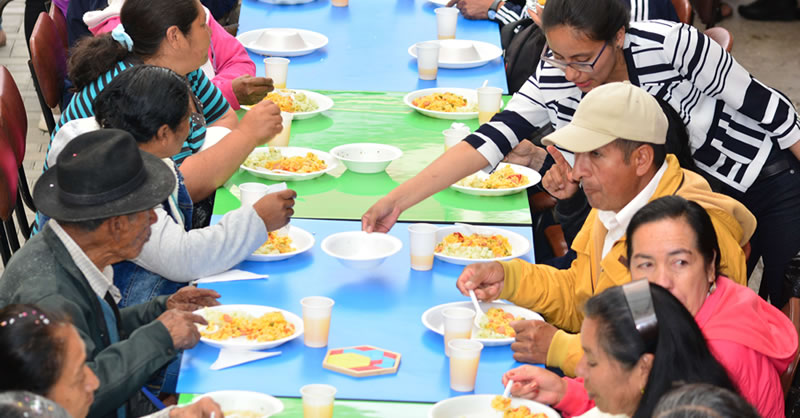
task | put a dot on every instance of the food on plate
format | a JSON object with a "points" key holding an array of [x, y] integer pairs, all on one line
{"points": [[496, 324], [504, 178], [241, 413], [274, 160], [268, 327], [503, 405], [475, 246], [276, 244], [444, 102], [292, 101]]}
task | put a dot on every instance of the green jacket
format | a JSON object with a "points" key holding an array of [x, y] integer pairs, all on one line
{"points": [[43, 273]]}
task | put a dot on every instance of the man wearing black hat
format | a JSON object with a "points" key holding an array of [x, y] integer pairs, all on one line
{"points": [[100, 196]]}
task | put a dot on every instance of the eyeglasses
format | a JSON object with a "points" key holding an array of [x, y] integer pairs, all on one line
{"points": [[584, 67]]}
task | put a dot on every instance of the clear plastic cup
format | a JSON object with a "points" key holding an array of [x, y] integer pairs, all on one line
{"points": [[427, 60], [282, 138], [277, 69], [318, 400], [465, 355], [453, 137], [458, 323], [422, 238], [489, 101], [250, 193], [316, 320], [446, 21]]}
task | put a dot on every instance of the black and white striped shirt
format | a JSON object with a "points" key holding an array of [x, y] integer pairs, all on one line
{"points": [[639, 9], [733, 120]]}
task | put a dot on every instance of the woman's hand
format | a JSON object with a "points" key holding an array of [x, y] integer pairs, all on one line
{"points": [[262, 122], [537, 384]]}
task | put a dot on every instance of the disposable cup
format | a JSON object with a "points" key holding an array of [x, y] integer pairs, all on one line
{"points": [[318, 400], [277, 69], [427, 60], [465, 355], [446, 21], [250, 193], [453, 137], [457, 325], [316, 320], [339, 3], [423, 240], [282, 138], [489, 100]]}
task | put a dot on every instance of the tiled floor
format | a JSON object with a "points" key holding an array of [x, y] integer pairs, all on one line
{"points": [[766, 49]]}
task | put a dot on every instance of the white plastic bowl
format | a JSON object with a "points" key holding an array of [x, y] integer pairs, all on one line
{"points": [[366, 157], [360, 250], [480, 406], [241, 400]]}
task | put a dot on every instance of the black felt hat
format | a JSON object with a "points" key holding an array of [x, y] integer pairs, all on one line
{"points": [[101, 174]]}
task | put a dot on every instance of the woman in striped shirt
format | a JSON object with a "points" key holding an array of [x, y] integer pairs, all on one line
{"points": [[174, 35], [743, 134]]}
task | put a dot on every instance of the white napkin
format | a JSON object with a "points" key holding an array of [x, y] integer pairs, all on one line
{"points": [[229, 358], [230, 276]]}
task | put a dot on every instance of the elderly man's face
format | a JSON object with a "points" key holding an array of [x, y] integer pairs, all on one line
{"points": [[608, 181], [136, 233]]}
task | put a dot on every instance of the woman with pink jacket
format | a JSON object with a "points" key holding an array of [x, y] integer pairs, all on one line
{"points": [[671, 242], [229, 67]]}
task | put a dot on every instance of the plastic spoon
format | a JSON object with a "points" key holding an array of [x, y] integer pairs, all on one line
{"points": [[479, 314], [507, 392]]}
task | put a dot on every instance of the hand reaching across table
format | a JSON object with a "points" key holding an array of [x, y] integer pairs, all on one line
{"points": [[472, 9], [486, 279]]}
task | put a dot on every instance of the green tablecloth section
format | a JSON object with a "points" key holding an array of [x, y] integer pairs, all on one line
{"points": [[382, 118], [293, 408]]}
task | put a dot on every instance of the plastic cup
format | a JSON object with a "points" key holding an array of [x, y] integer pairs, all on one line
{"points": [[427, 60], [277, 68], [464, 358], [446, 21], [339, 3], [282, 138], [489, 100], [250, 193], [453, 137], [318, 400], [423, 240], [316, 320], [457, 325]]}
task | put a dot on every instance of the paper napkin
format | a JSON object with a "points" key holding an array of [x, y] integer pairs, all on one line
{"points": [[230, 276], [229, 358]]}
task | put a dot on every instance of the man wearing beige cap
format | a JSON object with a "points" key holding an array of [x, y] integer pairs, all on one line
{"points": [[617, 135]]}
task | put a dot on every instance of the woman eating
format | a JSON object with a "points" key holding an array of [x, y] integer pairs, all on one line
{"points": [[638, 340], [173, 35], [42, 353], [744, 135], [672, 243]]}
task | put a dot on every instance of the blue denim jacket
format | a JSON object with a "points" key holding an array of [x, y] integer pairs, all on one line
{"points": [[139, 285]]}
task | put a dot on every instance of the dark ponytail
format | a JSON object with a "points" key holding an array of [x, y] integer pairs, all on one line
{"points": [[145, 21], [600, 20]]}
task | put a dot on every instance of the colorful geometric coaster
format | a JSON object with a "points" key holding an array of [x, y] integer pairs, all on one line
{"points": [[362, 361]]}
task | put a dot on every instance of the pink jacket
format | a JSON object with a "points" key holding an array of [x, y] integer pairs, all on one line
{"points": [[226, 53], [753, 340]]}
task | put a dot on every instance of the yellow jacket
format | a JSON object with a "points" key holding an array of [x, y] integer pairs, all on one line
{"points": [[559, 295]]}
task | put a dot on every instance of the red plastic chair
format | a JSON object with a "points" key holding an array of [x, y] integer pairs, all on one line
{"points": [[721, 36], [9, 242], [48, 66], [60, 23]]}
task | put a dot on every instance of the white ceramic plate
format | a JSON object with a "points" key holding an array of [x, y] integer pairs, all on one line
{"points": [[470, 94], [242, 400], [519, 244], [533, 178], [433, 320], [313, 41], [302, 241], [241, 343], [323, 102], [480, 406], [486, 51], [330, 161], [287, 1]]}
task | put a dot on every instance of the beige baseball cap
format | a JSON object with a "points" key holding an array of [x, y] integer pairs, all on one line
{"points": [[611, 111]]}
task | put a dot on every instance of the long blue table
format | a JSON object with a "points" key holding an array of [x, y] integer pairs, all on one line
{"points": [[380, 307], [368, 44]]}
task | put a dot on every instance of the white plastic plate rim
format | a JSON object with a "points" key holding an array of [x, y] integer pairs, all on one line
{"points": [[241, 343], [314, 41], [533, 179], [519, 244], [296, 234], [324, 103], [487, 52], [429, 316], [329, 159]]}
